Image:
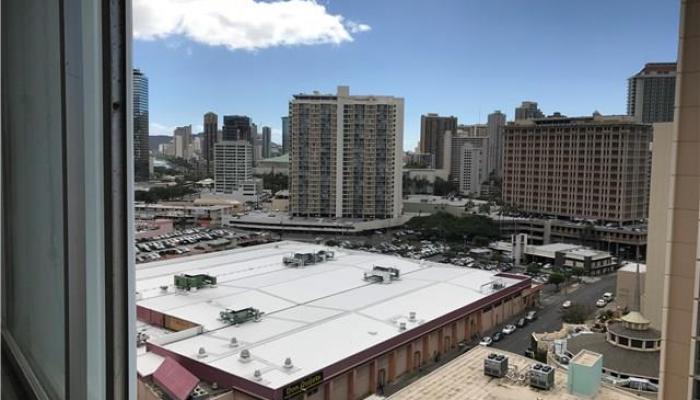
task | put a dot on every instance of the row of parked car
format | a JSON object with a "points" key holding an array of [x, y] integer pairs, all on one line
{"points": [[508, 329]]}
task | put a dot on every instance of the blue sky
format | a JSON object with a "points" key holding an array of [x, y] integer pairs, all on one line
{"points": [[455, 57]]}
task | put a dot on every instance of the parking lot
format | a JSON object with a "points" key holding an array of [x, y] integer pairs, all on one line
{"points": [[193, 240], [549, 313]]}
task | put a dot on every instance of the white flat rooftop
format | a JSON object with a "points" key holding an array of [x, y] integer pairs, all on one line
{"points": [[317, 315]]}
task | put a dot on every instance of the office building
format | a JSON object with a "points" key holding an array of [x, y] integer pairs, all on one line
{"points": [[285, 135], [211, 127], [472, 168], [182, 138], [233, 165], [236, 127], [345, 156], [474, 135], [334, 325], [494, 126], [432, 136], [651, 93], [680, 345], [527, 110], [141, 146], [585, 168], [266, 141]]}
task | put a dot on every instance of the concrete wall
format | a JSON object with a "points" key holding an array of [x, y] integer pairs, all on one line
{"points": [[626, 290], [652, 300]]}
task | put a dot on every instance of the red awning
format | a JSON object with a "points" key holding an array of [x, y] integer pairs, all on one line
{"points": [[174, 379]]}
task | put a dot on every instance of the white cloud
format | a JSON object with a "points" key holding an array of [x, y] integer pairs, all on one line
{"points": [[243, 24]]}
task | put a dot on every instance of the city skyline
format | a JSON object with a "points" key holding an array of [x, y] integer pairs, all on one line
{"points": [[481, 78]]}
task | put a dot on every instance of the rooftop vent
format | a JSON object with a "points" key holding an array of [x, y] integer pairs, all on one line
{"points": [[412, 316], [496, 365], [202, 352], [542, 376], [257, 375], [402, 326], [236, 317], [288, 363], [382, 274], [244, 356], [233, 342], [164, 288]]}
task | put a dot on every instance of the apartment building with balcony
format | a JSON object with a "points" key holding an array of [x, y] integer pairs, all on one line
{"points": [[592, 168], [345, 155]]}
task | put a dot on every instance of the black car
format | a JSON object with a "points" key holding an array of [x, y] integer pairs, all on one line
{"points": [[497, 336], [521, 323]]}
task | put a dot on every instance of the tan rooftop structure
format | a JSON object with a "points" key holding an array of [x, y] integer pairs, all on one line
{"points": [[586, 358], [464, 379]]}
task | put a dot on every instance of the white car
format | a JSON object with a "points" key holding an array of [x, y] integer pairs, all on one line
{"points": [[566, 304], [508, 329], [601, 303], [486, 341], [607, 296]]}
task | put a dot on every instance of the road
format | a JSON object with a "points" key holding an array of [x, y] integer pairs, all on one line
{"points": [[549, 315]]}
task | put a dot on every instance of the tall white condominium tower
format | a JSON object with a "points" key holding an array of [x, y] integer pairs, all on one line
{"points": [[345, 156], [233, 165], [472, 169]]}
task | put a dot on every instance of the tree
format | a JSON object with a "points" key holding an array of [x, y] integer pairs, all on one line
{"points": [[275, 182], [484, 208], [469, 205], [578, 271], [576, 314], [533, 269], [556, 278], [442, 187]]}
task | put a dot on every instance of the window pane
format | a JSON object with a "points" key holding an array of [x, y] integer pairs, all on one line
{"points": [[33, 293]]}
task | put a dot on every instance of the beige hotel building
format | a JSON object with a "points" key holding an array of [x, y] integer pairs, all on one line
{"points": [[587, 167], [345, 156]]}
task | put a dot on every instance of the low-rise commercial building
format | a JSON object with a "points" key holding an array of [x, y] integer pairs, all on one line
{"points": [[210, 215], [257, 329]]}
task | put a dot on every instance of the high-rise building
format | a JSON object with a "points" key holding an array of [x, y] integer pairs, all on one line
{"points": [[236, 127], [233, 165], [266, 141], [528, 110], [285, 135], [345, 155], [182, 138], [141, 146], [651, 93], [494, 127], [587, 167], [472, 169], [679, 370], [476, 135], [432, 136], [211, 127]]}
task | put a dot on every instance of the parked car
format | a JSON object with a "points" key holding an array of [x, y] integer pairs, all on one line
{"points": [[601, 303], [486, 341], [508, 329], [566, 304], [497, 336], [607, 296], [521, 323], [531, 316]]}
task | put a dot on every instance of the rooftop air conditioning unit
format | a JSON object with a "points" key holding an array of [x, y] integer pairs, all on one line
{"points": [[496, 365], [542, 376]]}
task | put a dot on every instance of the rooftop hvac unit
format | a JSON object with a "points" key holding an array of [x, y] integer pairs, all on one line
{"points": [[382, 274], [301, 259], [542, 376], [186, 282], [496, 365], [238, 317]]}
